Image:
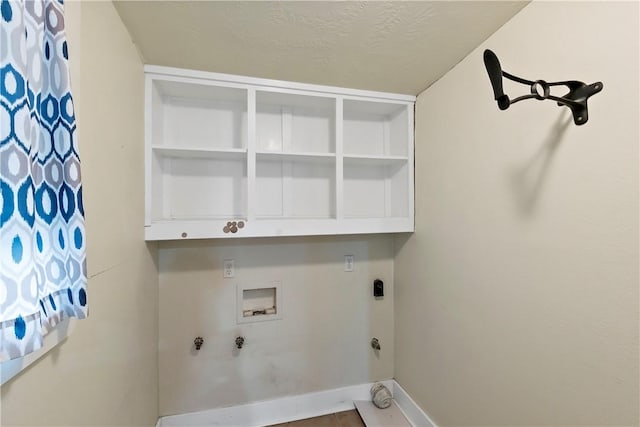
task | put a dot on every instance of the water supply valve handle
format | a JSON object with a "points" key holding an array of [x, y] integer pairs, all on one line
{"points": [[375, 344], [198, 342], [239, 342]]}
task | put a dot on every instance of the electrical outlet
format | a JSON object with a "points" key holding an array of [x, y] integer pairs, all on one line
{"points": [[229, 269], [348, 263]]}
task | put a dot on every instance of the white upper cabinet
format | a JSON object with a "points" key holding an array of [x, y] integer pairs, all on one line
{"points": [[231, 156]]}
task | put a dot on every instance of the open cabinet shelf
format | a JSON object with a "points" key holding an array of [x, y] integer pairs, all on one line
{"points": [[295, 187], [279, 158], [198, 153]]}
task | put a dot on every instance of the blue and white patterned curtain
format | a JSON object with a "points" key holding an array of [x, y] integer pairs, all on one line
{"points": [[42, 235]]}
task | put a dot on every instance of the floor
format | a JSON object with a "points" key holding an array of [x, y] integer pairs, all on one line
{"points": [[339, 419]]}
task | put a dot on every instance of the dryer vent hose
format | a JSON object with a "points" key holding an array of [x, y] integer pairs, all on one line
{"points": [[381, 396]]}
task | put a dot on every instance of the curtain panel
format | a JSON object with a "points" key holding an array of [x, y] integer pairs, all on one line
{"points": [[42, 233]]}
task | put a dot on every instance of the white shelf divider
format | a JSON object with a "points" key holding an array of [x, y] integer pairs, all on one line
{"points": [[374, 160], [282, 156], [339, 158], [251, 154], [195, 153]]}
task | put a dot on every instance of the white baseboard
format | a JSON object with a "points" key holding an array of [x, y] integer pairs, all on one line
{"points": [[416, 416], [298, 407], [276, 411]]}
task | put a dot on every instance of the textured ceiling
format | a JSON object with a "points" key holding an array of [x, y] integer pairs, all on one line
{"points": [[387, 46]]}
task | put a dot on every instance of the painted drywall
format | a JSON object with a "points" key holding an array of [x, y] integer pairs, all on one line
{"points": [[517, 298], [106, 372], [322, 341]]}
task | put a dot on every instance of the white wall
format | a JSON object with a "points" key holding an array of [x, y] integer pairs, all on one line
{"points": [[517, 297], [322, 341], [106, 372]]}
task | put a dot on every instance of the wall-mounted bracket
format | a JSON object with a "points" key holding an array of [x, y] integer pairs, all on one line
{"points": [[575, 99]]}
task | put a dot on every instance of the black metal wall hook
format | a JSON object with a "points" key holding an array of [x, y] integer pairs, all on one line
{"points": [[575, 99]]}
